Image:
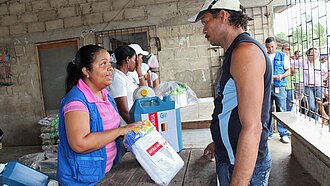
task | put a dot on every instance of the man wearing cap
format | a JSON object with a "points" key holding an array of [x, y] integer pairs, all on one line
{"points": [[137, 73], [281, 69], [239, 121]]}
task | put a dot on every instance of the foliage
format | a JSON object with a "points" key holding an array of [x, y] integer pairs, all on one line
{"points": [[282, 35], [308, 36]]}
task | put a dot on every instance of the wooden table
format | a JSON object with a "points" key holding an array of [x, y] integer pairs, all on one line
{"points": [[197, 171]]}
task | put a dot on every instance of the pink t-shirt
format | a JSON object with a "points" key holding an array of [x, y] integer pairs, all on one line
{"points": [[109, 116], [313, 73]]}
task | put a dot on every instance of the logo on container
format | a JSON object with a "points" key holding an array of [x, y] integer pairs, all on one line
{"points": [[163, 115], [154, 148]]}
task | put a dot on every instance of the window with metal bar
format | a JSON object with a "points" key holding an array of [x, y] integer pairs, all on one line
{"points": [[111, 39], [308, 34]]}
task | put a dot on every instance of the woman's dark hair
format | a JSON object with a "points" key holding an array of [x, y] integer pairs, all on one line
{"points": [[236, 18], [83, 58], [122, 52], [308, 52]]}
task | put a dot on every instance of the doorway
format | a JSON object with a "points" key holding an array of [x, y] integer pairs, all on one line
{"points": [[53, 58]]}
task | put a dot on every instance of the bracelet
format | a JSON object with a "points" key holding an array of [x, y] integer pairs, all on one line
{"points": [[140, 77]]}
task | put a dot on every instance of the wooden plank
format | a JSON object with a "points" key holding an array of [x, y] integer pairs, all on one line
{"points": [[141, 177], [121, 174], [196, 124], [179, 178], [200, 171], [196, 171]]}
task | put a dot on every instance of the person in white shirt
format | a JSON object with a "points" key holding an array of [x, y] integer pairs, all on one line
{"points": [[123, 86], [151, 78], [314, 74], [139, 54], [281, 69]]}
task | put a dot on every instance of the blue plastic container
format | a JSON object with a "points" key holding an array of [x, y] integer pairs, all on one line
{"points": [[18, 174], [163, 114]]}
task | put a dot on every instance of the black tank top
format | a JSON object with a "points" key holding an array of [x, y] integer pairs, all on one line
{"points": [[226, 125]]}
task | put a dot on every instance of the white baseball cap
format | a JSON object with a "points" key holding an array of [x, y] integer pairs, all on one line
{"points": [[138, 49], [216, 4]]}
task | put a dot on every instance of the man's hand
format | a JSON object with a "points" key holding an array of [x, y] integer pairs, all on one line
{"points": [[278, 77], [209, 151]]}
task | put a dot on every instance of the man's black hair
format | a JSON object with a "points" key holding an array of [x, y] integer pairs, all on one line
{"points": [[270, 39], [236, 18]]}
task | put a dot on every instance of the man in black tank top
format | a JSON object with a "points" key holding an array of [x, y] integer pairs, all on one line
{"points": [[239, 120]]}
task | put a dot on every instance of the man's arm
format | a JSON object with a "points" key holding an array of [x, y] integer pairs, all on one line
{"points": [[248, 72]]}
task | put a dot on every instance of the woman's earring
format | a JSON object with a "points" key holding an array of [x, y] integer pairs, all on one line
{"points": [[87, 76]]}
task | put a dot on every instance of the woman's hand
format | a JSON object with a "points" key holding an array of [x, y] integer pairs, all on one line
{"points": [[125, 129], [138, 65], [139, 60]]}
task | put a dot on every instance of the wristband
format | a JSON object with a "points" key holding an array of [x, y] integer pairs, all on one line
{"points": [[140, 77]]}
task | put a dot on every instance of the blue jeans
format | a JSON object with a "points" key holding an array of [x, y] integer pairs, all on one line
{"points": [[313, 93], [259, 177], [280, 103], [289, 99]]}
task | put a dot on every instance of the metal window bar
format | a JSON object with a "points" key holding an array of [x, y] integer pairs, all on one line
{"points": [[111, 39], [308, 28], [143, 36]]}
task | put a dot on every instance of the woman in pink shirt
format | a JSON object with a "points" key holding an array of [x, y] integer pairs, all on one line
{"points": [[89, 121]]}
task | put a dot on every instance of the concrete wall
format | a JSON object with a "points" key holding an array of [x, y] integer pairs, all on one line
{"points": [[185, 57], [311, 159], [185, 54]]}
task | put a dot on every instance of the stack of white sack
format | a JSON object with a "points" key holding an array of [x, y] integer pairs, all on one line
{"points": [[154, 153]]}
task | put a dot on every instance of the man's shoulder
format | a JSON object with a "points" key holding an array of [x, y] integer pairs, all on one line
{"points": [[248, 48]]}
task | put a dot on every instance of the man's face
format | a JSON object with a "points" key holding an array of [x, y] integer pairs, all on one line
{"points": [[286, 50], [211, 28], [313, 55], [271, 47]]}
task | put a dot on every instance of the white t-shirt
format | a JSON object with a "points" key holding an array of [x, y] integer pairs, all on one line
{"points": [[123, 85], [153, 77], [134, 76]]}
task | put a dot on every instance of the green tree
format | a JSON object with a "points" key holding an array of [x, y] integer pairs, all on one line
{"points": [[317, 34], [314, 36], [299, 39], [282, 35]]}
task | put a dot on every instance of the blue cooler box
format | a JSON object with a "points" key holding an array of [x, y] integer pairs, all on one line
{"points": [[18, 174], [163, 114]]}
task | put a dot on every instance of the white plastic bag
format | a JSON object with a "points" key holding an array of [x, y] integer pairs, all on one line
{"points": [[180, 92], [154, 153]]}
